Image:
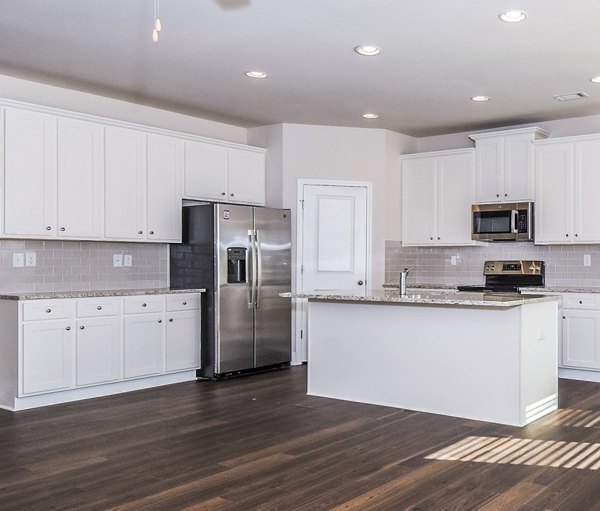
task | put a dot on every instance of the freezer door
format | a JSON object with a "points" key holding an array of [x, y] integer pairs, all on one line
{"points": [[234, 314], [273, 313]]}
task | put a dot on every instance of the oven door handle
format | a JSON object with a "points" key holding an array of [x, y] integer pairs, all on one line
{"points": [[513, 221]]}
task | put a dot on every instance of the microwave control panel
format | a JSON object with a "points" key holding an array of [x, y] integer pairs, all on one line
{"points": [[522, 221]]}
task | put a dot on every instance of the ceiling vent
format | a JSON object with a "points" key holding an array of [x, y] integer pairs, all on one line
{"points": [[570, 96]]}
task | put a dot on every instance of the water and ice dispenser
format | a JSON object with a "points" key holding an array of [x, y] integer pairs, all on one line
{"points": [[236, 265]]}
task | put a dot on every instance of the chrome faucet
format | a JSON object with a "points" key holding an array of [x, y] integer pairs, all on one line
{"points": [[403, 277]]}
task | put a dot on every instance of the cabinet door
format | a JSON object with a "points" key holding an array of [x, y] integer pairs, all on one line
{"points": [[587, 185], [183, 340], [143, 345], [164, 173], [79, 172], [418, 201], [519, 153], [125, 184], [46, 353], [455, 193], [581, 339], [29, 174], [98, 349], [490, 174], [205, 171], [246, 177], [553, 211]]}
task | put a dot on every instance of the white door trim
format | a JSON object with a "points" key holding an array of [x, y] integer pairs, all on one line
{"points": [[298, 307]]}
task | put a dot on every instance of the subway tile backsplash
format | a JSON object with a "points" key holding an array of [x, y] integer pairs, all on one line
{"points": [[432, 265], [82, 266]]}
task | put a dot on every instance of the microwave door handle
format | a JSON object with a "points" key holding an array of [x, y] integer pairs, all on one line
{"points": [[513, 221]]}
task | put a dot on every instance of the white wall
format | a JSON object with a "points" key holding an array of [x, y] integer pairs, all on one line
{"points": [[558, 128], [67, 99], [272, 138]]}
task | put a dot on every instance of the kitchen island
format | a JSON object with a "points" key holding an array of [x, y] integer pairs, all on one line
{"points": [[488, 357]]}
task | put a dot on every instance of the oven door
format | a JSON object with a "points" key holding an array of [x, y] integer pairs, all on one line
{"points": [[502, 222]]}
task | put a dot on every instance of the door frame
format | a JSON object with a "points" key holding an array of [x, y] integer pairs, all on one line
{"points": [[299, 307]]}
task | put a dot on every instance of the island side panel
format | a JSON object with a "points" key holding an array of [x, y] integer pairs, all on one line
{"points": [[539, 360], [459, 361], [9, 353]]}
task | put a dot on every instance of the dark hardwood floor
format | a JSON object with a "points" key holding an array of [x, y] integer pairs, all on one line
{"points": [[259, 443]]}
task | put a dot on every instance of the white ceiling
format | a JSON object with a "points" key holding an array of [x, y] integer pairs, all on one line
{"points": [[436, 55]]}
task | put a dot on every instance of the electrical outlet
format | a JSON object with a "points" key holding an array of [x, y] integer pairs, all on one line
{"points": [[587, 260], [454, 260], [128, 260], [30, 259], [18, 260], [117, 260]]}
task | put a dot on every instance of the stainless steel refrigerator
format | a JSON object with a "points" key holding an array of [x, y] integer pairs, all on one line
{"points": [[242, 256]]}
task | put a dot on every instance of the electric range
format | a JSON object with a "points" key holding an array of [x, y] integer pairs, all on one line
{"points": [[509, 276]]}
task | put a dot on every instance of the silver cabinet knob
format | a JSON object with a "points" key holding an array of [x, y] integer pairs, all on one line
{"points": [[151, 232], [170, 320], [81, 327], [506, 194], [48, 228], [580, 302], [564, 317], [430, 237], [160, 320], [62, 229], [99, 307], [140, 232], [48, 311], [576, 235], [497, 195], [184, 303], [68, 328], [232, 195], [144, 305], [439, 238], [222, 193], [567, 235], [360, 282]]}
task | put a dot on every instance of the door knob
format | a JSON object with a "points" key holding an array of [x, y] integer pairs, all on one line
{"points": [[360, 282]]}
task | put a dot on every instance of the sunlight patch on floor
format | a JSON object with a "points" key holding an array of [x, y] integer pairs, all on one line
{"points": [[572, 417], [522, 451]]}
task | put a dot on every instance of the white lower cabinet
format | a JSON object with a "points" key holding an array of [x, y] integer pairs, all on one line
{"points": [[143, 349], [181, 340], [46, 352], [98, 350], [581, 338]]}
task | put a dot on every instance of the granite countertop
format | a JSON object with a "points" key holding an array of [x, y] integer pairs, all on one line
{"points": [[448, 287], [557, 289], [497, 300], [95, 294]]}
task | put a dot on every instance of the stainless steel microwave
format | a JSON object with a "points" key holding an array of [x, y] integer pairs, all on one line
{"points": [[502, 222]]}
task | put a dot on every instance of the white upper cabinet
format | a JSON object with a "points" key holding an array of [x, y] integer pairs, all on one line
{"points": [[437, 193], [164, 176], [125, 183], [505, 162], [567, 181], [29, 174], [224, 174], [79, 185]]}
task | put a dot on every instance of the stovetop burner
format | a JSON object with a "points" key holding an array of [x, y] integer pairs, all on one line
{"points": [[509, 276]]}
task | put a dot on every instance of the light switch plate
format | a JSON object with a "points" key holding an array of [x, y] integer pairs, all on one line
{"points": [[117, 260], [128, 260], [18, 260], [30, 259]]}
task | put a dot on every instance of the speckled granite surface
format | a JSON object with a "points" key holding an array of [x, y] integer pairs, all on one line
{"points": [[96, 294], [449, 287], [552, 289], [498, 300]]}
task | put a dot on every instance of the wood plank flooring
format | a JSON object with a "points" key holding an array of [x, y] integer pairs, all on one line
{"points": [[260, 443]]}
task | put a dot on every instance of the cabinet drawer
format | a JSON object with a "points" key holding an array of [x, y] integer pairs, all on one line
{"points": [[141, 304], [590, 301], [47, 309], [91, 307], [183, 302]]}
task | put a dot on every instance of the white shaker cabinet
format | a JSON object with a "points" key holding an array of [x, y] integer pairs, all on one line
{"points": [[437, 193], [46, 355], [98, 352], [505, 165], [224, 174], [29, 173], [567, 180], [581, 338], [182, 347], [143, 346]]}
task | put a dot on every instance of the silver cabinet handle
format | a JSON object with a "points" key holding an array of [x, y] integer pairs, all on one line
{"points": [[567, 235], [222, 193], [506, 194], [140, 232], [430, 237], [170, 320], [184, 303], [151, 232], [48, 228], [81, 327], [99, 307], [439, 238], [48, 311], [62, 229], [497, 195], [360, 282], [160, 320], [144, 305], [68, 328]]}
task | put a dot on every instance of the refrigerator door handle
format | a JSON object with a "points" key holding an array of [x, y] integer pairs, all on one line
{"points": [[251, 282], [258, 269]]}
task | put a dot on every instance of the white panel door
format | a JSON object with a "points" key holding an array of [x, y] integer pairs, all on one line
{"points": [[554, 193], [581, 339], [46, 352], [164, 175], [79, 171], [587, 185], [518, 168], [490, 163], [125, 184], [419, 202], [183, 340], [246, 177], [143, 345], [205, 171], [98, 348], [29, 174], [455, 194], [334, 249]]}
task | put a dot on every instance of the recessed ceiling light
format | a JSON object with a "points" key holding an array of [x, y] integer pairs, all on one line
{"points": [[480, 99], [512, 16], [370, 116], [595, 79], [368, 50], [256, 74]]}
